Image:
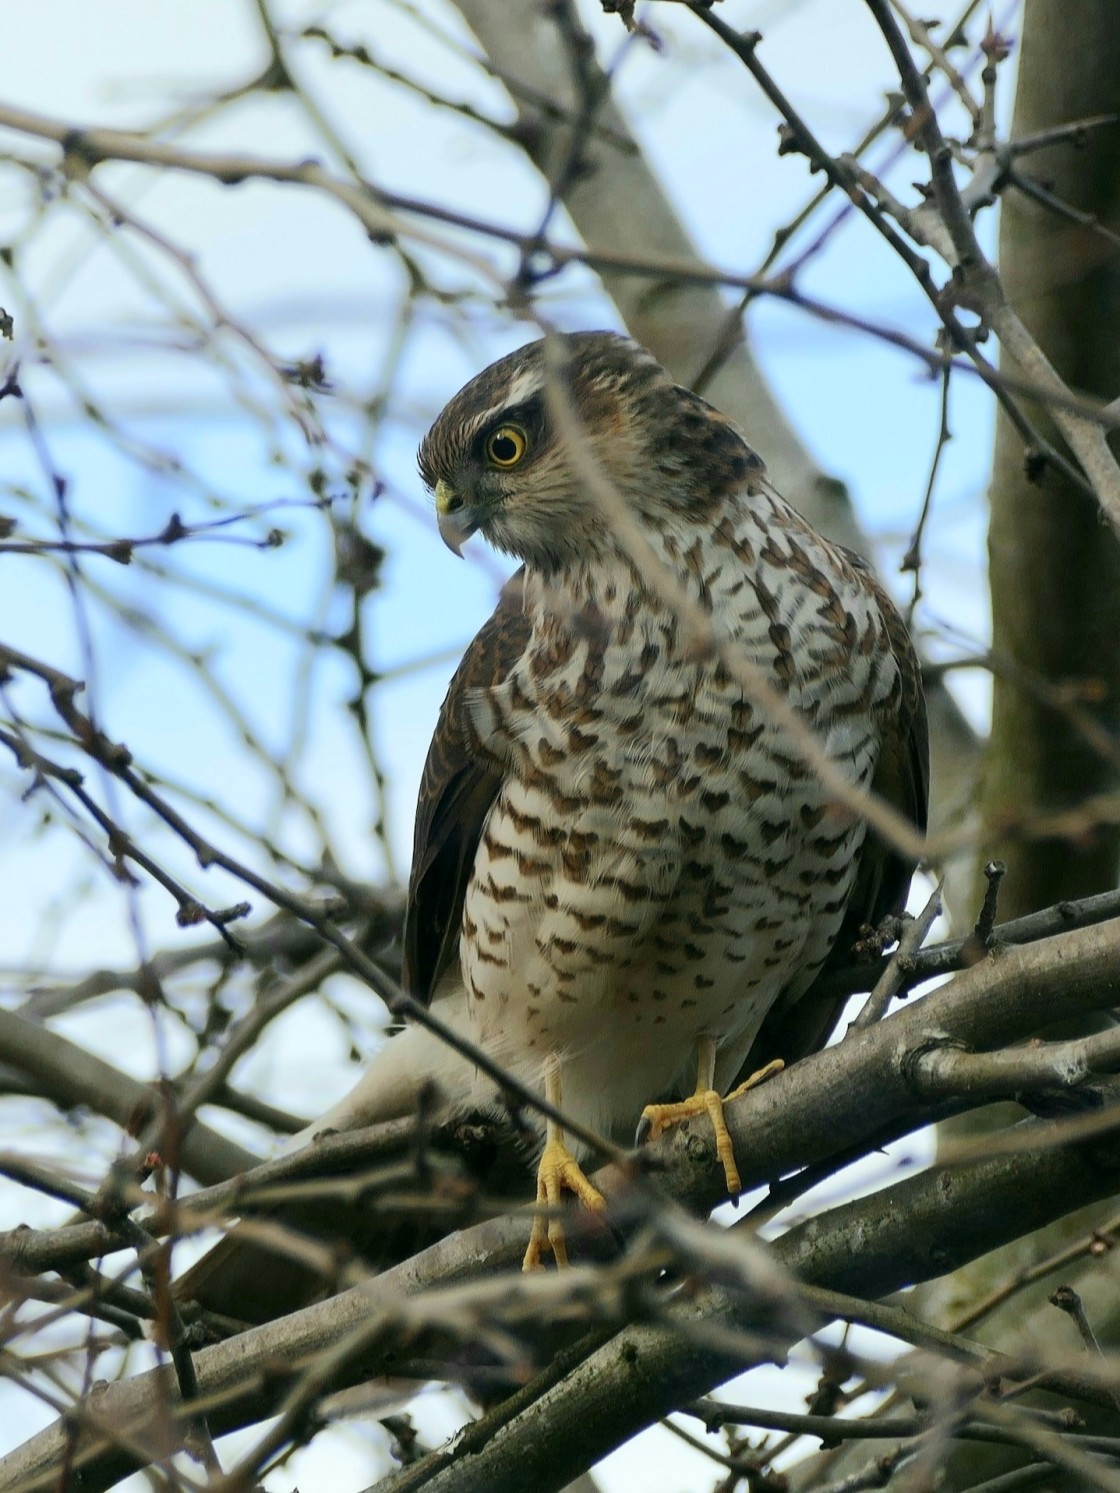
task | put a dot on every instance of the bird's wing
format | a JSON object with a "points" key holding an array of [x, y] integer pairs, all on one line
{"points": [[241, 1278], [800, 1025], [458, 786]]}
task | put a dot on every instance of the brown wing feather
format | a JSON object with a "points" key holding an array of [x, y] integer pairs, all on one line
{"points": [[458, 786], [883, 876]]}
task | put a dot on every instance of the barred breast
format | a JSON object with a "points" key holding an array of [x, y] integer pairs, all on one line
{"points": [[660, 864]]}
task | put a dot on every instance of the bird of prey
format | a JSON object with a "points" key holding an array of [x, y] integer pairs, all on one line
{"points": [[626, 877]]}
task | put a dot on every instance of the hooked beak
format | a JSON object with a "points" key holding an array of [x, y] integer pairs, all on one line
{"points": [[456, 521]]}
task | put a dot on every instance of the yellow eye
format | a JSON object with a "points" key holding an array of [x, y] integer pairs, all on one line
{"points": [[507, 445]]}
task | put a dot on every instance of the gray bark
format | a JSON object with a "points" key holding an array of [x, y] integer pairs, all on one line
{"points": [[1054, 566]]}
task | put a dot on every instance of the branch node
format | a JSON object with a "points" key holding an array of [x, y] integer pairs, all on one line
{"points": [[914, 1066], [984, 932]]}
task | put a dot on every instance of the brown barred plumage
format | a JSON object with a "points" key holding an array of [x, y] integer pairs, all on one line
{"points": [[620, 860], [619, 857]]}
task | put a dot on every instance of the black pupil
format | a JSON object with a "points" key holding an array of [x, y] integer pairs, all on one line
{"points": [[503, 448]]}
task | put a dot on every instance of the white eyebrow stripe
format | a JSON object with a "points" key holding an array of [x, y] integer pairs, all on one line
{"points": [[480, 422], [524, 386]]}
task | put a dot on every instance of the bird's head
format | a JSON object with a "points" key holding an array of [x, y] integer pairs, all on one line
{"points": [[521, 454]]}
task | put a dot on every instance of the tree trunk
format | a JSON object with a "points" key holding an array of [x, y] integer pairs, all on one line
{"points": [[1054, 566], [1055, 583]]}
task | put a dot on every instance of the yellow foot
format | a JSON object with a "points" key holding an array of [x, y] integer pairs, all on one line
{"points": [[558, 1170], [656, 1119]]}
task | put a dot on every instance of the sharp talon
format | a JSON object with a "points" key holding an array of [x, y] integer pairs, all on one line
{"points": [[558, 1172], [725, 1149], [657, 1118]]}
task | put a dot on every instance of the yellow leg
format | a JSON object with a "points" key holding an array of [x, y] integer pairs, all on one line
{"points": [[656, 1118], [558, 1170]]}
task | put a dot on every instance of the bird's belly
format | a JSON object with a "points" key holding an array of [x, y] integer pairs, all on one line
{"points": [[678, 904]]}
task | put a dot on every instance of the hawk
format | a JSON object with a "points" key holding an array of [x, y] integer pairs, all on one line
{"points": [[625, 876]]}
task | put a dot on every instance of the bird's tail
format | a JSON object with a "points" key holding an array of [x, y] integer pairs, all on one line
{"points": [[412, 1068], [278, 1268]]}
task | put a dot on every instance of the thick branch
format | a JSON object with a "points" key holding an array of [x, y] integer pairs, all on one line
{"points": [[909, 1232], [836, 1098], [69, 1076]]}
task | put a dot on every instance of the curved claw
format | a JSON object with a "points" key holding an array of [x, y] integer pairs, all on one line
{"points": [[559, 1171], [656, 1118]]}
